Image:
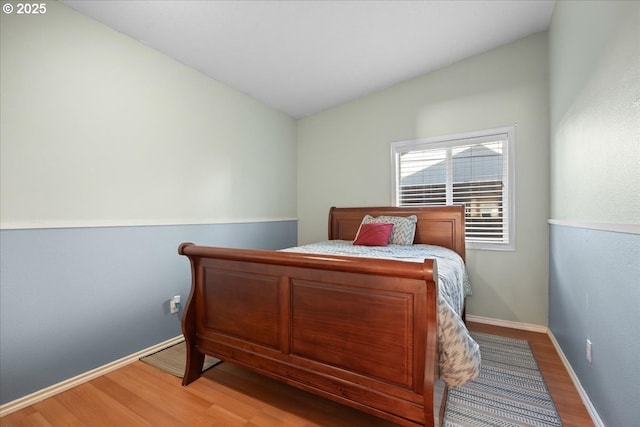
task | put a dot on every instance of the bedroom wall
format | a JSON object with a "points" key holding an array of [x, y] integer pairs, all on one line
{"points": [[111, 155], [344, 160], [594, 281]]}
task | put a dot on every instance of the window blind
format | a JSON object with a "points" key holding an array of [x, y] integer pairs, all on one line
{"points": [[473, 171]]}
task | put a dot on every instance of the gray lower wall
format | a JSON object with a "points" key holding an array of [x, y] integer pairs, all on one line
{"points": [[75, 299], [594, 293]]}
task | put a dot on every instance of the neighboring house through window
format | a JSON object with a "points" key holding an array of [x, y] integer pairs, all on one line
{"points": [[474, 169]]}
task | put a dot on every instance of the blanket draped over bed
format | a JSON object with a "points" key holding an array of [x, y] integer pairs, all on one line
{"points": [[372, 330]]}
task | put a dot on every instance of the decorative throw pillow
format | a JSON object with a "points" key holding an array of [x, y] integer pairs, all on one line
{"points": [[374, 234], [404, 228]]}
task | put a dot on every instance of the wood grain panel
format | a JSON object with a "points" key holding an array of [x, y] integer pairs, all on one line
{"points": [[242, 305], [326, 328], [439, 233]]}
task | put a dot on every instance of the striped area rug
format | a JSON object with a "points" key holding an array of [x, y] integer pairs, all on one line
{"points": [[510, 390]]}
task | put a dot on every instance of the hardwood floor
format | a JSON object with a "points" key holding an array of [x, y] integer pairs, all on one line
{"points": [[140, 395]]}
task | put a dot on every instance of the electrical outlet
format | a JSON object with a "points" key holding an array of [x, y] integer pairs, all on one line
{"points": [[174, 304], [589, 347]]}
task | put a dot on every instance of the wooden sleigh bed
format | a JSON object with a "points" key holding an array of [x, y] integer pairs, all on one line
{"points": [[359, 331]]}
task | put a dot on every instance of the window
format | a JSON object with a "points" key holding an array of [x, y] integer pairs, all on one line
{"points": [[474, 169]]}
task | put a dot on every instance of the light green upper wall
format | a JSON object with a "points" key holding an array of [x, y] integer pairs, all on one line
{"points": [[99, 129], [595, 111], [344, 160]]}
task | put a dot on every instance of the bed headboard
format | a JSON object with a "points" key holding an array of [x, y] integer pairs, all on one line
{"points": [[437, 225]]}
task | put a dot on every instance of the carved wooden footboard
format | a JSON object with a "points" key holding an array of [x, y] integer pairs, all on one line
{"points": [[358, 331]]}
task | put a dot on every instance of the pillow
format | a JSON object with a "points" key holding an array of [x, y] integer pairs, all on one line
{"points": [[404, 228], [374, 234]]}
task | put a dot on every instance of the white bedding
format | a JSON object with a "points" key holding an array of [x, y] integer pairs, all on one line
{"points": [[459, 354]]}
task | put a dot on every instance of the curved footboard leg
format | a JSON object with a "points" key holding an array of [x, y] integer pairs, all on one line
{"points": [[193, 368], [195, 359]]}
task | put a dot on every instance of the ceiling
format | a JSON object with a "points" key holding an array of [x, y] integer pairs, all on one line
{"points": [[302, 57]]}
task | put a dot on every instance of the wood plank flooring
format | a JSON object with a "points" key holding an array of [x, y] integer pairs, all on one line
{"points": [[140, 395]]}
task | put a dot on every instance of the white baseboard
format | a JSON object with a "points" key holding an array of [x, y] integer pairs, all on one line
{"points": [[508, 324], [576, 382], [45, 393], [544, 329]]}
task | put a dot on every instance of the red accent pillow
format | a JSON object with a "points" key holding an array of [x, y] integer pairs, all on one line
{"points": [[374, 234]]}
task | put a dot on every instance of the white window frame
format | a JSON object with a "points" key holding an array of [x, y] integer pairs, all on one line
{"points": [[449, 141]]}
